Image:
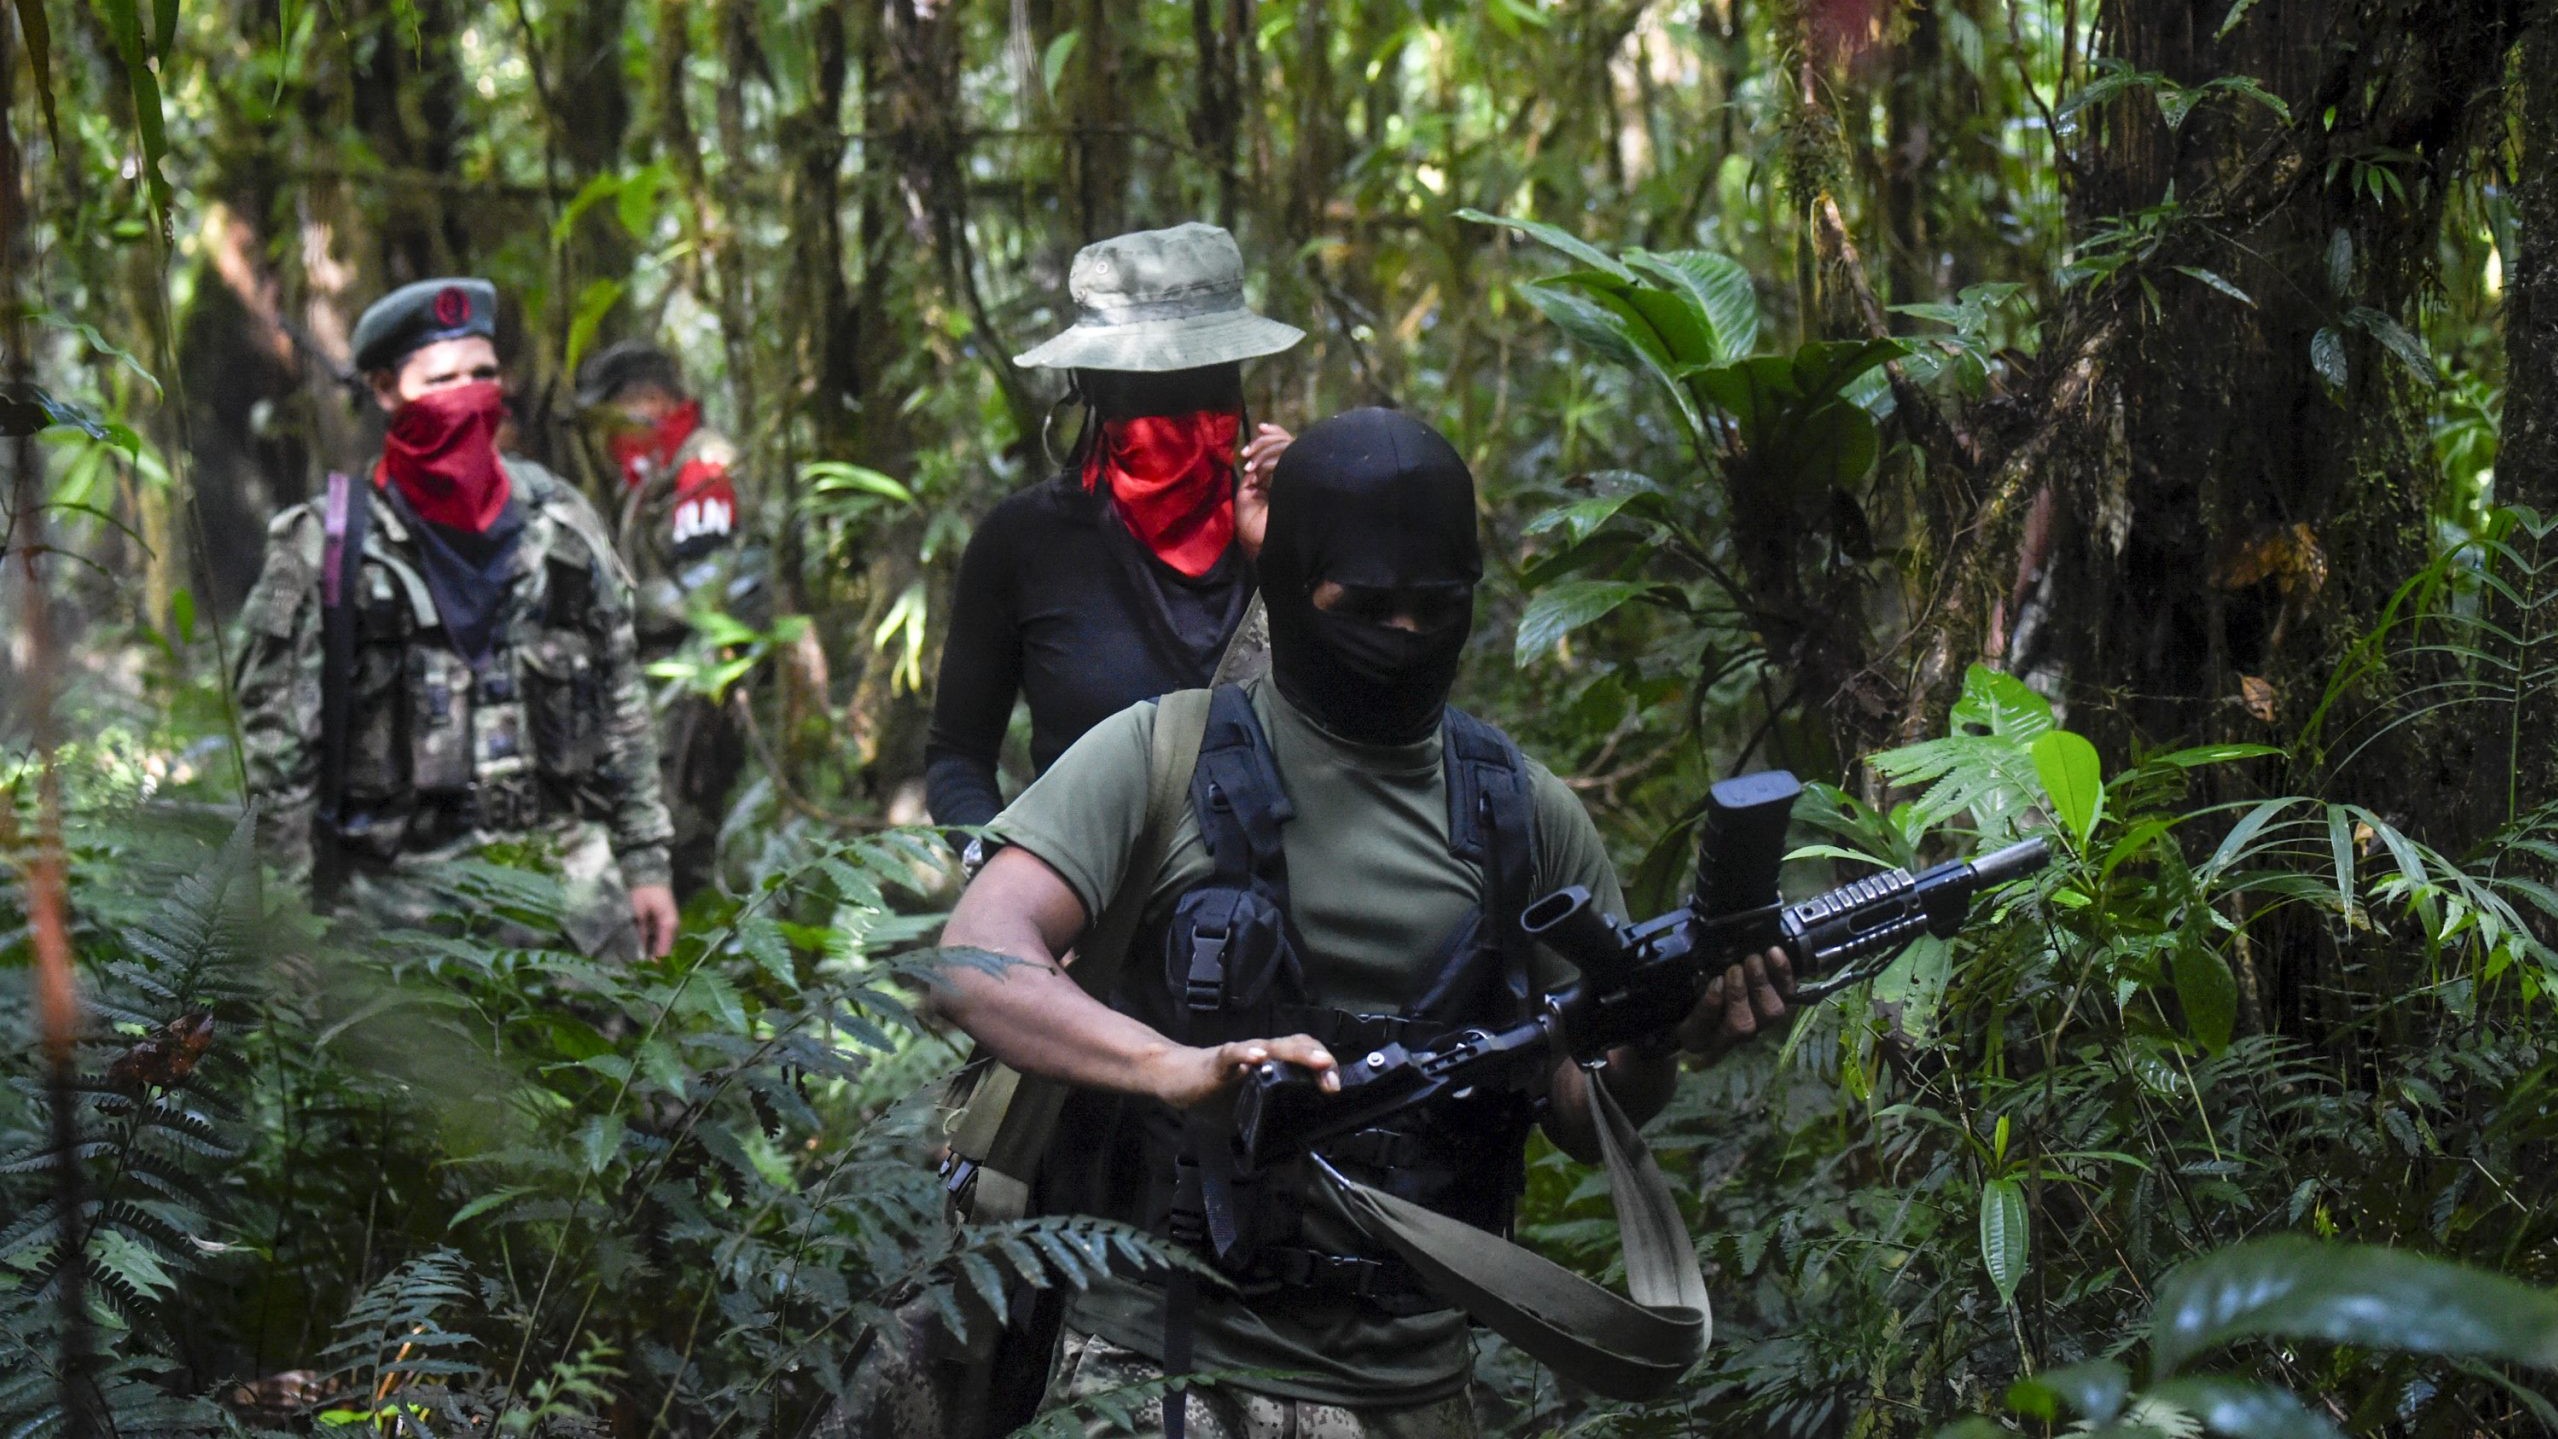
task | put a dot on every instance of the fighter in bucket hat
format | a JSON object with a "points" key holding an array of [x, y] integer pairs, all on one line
{"points": [[439, 656], [1129, 572]]}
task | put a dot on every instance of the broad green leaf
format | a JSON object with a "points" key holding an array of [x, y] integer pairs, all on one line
{"points": [[182, 614], [1560, 609], [2004, 1236], [28, 409], [1582, 518], [1052, 63], [594, 192], [1686, 332], [1585, 320], [1718, 285], [1647, 328], [2247, 87], [2397, 340], [636, 205], [2327, 357], [1563, 240], [2209, 993], [599, 1141], [2094, 1389], [2074, 778], [2294, 1288], [2175, 102], [2243, 1409], [2237, 11], [2340, 262], [593, 304]]}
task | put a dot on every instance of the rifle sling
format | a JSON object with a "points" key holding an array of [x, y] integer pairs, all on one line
{"points": [[1621, 1349]]}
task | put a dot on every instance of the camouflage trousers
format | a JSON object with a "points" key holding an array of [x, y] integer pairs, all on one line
{"points": [[1089, 1366], [595, 907]]}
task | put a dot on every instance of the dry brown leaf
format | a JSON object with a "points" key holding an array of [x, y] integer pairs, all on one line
{"points": [[2257, 693]]}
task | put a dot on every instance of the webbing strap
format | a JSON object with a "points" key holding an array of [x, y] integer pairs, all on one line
{"points": [[1619, 1348], [1009, 1118]]}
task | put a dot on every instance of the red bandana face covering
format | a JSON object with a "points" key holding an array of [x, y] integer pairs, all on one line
{"points": [[645, 450], [1172, 479], [442, 454]]}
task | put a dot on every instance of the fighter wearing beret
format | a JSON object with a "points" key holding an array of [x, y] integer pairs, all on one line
{"points": [[440, 656], [684, 528]]}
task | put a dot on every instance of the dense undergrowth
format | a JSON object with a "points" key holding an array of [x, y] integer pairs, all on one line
{"points": [[336, 1177], [431, 1183]]}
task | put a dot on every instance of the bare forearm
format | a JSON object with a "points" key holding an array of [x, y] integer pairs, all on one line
{"points": [[1032, 1016]]}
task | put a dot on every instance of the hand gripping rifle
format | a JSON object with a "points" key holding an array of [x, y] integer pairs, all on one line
{"points": [[1639, 980]]}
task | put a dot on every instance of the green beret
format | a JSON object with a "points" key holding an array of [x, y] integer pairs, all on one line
{"points": [[414, 316]]}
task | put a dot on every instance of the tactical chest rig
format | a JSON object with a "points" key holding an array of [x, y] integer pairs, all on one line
{"points": [[420, 747], [1230, 965]]}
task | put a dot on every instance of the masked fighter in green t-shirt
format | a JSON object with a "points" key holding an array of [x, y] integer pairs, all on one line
{"points": [[1349, 874]]}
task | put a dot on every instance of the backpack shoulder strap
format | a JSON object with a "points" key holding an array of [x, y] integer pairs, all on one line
{"points": [[1005, 1120], [1181, 725], [1492, 821]]}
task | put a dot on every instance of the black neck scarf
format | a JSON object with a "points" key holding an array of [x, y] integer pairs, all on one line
{"points": [[467, 574], [1371, 499]]}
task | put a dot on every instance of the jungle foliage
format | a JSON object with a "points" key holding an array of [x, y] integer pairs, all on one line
{"points": [[2134, 421]]}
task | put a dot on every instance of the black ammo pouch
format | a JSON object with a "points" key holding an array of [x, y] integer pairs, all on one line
{"points": [[564, 701], [562, 666]]}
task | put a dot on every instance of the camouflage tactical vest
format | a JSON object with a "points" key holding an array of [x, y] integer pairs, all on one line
{"points": [[440, 753]]}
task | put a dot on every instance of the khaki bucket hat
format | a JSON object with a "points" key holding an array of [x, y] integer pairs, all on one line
{"points": [[1160, 300]]}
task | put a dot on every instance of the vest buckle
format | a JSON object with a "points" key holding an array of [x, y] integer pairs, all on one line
{"points": [[1205, 989]]}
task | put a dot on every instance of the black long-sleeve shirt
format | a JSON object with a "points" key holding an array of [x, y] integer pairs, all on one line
{"points": [[1058, 603]]}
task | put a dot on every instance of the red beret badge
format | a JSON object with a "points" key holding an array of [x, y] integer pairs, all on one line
{"points": [[452, 307]]}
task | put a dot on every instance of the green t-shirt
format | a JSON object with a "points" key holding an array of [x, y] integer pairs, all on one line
{"points": [[1375, 895]]}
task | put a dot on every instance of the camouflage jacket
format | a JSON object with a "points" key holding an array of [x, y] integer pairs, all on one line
{"points": [[553, 737], [683, 530]]}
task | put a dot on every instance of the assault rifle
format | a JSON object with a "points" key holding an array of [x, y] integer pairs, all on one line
{"points": [[1638, 980]]}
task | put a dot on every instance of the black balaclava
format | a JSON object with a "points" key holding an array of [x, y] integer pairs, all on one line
{"points": [[1377, 499]]}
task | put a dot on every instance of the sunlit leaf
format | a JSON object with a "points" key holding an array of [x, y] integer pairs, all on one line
{"points": [[1052, 62], [2074, 778], [2213, 278], [2005, 1226], [1563, 240], [1561, 608], [2327, 356], [2094, 1390], [2294, 1288], [1719, 286]]}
